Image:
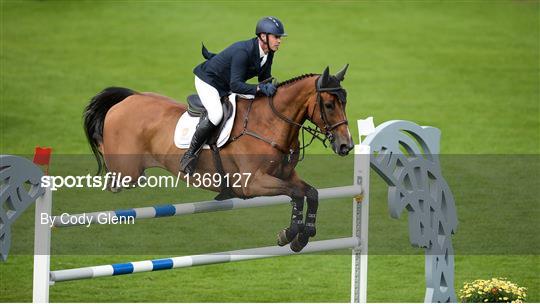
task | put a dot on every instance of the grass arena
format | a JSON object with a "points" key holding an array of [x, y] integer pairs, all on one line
{"points": [[469, 69]]}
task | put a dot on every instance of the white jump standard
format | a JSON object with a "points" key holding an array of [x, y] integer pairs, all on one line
{"points": [[404, 154]]}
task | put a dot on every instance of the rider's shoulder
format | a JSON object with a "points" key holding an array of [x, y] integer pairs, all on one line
{"points": [[243, 44]]}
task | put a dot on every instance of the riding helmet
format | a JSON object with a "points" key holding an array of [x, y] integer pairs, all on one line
{"points": [[270, 25]]}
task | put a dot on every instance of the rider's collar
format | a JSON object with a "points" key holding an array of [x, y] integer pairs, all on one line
{"points": [[261, 51]]}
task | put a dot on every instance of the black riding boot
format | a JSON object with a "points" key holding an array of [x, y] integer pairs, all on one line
{"points": [[188, 163]]}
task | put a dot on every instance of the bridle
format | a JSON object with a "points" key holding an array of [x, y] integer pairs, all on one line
{"points": [[316, 132], [322, 135], [341, 94]]}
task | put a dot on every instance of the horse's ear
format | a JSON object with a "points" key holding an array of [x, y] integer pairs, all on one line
{"points": [[341, 74], [324, 77]]}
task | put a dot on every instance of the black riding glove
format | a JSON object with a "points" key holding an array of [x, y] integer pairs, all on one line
{"points": [[267, 89]]}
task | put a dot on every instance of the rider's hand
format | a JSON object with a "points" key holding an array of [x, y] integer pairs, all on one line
{"points": [[267, 89]]}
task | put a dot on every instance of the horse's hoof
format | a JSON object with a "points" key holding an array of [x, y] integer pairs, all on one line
{"points": [[299, 242], [282, 238], [311, 231]]}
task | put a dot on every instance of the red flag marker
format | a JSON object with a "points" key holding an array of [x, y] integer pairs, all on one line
{"points": [[42, 157]]}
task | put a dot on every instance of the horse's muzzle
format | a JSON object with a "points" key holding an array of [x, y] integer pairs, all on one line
{"points": [[342, 149], [345, 148]]}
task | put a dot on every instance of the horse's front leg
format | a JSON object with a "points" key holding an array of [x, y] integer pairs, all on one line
{"points": [[267, 185], [302, 238], [296, 225], [298, 232]]}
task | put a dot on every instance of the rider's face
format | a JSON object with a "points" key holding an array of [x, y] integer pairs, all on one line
{"points": [[274, 41]]}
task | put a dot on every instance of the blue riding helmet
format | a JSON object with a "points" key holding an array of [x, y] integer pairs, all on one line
{"points": [[270, 25]]}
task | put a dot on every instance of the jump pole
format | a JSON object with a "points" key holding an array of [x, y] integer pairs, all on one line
{"points": [[197, 260], [181, 209]]}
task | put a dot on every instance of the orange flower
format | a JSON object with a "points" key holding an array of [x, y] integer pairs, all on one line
{"points": [[494, 290]]}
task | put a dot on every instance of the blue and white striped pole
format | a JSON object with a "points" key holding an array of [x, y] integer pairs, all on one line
{"points": [[197, 260]]}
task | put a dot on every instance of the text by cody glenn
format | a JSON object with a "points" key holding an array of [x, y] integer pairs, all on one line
{"points": [[118, 180], [85, 219]]}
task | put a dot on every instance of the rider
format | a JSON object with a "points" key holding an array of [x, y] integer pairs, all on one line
{"points": [[228, 72]]}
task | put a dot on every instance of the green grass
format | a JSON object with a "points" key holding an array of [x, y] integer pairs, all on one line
{"points": [[469, 68]]}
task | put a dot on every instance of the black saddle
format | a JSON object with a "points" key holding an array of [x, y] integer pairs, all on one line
{"points": [[196, 109]]}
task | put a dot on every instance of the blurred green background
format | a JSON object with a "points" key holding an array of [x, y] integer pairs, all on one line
{"points": [[470, 68]]}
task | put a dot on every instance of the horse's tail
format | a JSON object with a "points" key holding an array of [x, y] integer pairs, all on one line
{"points": [[94, 117]]}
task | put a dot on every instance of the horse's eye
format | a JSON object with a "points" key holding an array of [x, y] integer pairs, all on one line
{"points": [[329, 105]]}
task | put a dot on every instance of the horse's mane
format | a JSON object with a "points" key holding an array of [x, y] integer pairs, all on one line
{"points": [[295, 79]]}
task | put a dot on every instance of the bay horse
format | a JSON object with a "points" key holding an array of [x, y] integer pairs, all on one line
{"points": [[130, 131]]}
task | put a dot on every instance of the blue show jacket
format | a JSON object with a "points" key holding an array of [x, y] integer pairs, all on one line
{"points": [[229, 70]]}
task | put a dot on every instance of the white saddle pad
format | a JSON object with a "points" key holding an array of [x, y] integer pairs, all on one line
{"points": [[187, 124]]}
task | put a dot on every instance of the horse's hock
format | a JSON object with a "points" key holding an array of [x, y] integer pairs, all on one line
{"points": [[403, 153]]}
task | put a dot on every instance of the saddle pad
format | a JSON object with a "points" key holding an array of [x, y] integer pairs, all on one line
{"points": [[185, 128]]}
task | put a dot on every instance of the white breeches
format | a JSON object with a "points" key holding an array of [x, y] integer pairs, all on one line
{"points": [[210, 100]]}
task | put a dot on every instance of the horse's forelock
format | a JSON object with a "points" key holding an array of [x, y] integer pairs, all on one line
{"points": [[332, 82]]}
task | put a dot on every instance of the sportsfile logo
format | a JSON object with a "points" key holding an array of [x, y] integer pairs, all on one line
{"points": [[118, 180]]}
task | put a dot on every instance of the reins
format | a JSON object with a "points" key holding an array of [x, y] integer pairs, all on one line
{"points": [[316, 132]]}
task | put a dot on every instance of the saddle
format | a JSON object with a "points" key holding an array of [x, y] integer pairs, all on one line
{"points": [[196, 109]]}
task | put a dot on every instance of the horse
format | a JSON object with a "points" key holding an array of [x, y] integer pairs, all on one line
{"points": [[130, 131]]}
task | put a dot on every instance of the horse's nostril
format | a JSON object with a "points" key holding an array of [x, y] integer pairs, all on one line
{"points": [[344, 149]]}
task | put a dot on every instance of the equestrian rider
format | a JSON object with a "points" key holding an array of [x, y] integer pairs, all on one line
{"points": [[228, 72]]}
